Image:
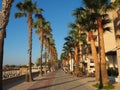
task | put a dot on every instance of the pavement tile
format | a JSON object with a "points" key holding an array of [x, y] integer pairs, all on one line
{"points": [[59, 80]]}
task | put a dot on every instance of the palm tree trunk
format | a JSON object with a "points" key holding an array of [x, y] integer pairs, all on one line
{"points": [[95, 56], [6, 6], [104, 75], [118, 55], [51, 61], [77, 61], [41, 49], [30, 46], [70, 62], [1, 55], [41, 60], [45, 60]]}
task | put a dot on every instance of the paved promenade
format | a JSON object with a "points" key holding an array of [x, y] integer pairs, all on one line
{"points": [[57, 81]]}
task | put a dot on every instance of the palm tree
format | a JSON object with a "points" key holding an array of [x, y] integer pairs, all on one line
{"points": [[99, 7], [85, 20], [77, 35], [47, 35], [52, 51], [6, 6], [54, 57], [77, 29], [51, 45], [68, 49], [68, 46], [45, 56], [27, 8], [39, 24], [117, 33]]}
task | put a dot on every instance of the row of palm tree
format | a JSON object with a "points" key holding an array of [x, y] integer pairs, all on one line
{"points": [[88, 19], [43, 29], [45, 36], [28, 8]]}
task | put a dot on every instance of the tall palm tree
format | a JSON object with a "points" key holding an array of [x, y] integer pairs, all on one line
{"points": [[54, 56], [100, 7], [6, 6], [77, 35], [46, 35], [51, 45], [39, 24], [85, 20], [27, 8], [45, 56], [117, 33], [68, 50], [77, 29], [52, 52], [68, 46]]}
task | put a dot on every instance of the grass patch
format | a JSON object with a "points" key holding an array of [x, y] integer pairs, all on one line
{"points": [[110, 87]]}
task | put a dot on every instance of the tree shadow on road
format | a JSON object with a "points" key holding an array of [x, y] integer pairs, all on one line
{"points": [[48, 86], [73, 88]]}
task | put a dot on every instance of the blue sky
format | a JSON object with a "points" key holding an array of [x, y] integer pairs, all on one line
{"points": [[58, 12]]}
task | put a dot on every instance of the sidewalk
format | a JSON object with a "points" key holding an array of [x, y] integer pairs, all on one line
{"points": [[117, 86], [59, 81], [64, 81], [38, 82]]}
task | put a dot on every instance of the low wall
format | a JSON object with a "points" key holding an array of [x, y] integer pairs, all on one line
{"points": [[14, 79]]}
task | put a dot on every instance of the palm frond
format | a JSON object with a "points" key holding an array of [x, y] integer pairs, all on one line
{"points": [[39, 16], [107, 29], [34, 24], [20, 6], [19, 15], [38, 10], [77, 11], [37, 31], [72, 25], [106, 21], [92, 4]]}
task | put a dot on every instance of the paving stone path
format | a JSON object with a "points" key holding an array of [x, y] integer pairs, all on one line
{"points": [[57, 80]]}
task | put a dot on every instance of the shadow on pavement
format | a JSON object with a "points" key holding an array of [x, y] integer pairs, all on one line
{"points": [[46, 86], [15, 83], [81, 85]]}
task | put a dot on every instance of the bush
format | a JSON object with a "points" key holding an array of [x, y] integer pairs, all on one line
{"points": [[110, 87]]}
